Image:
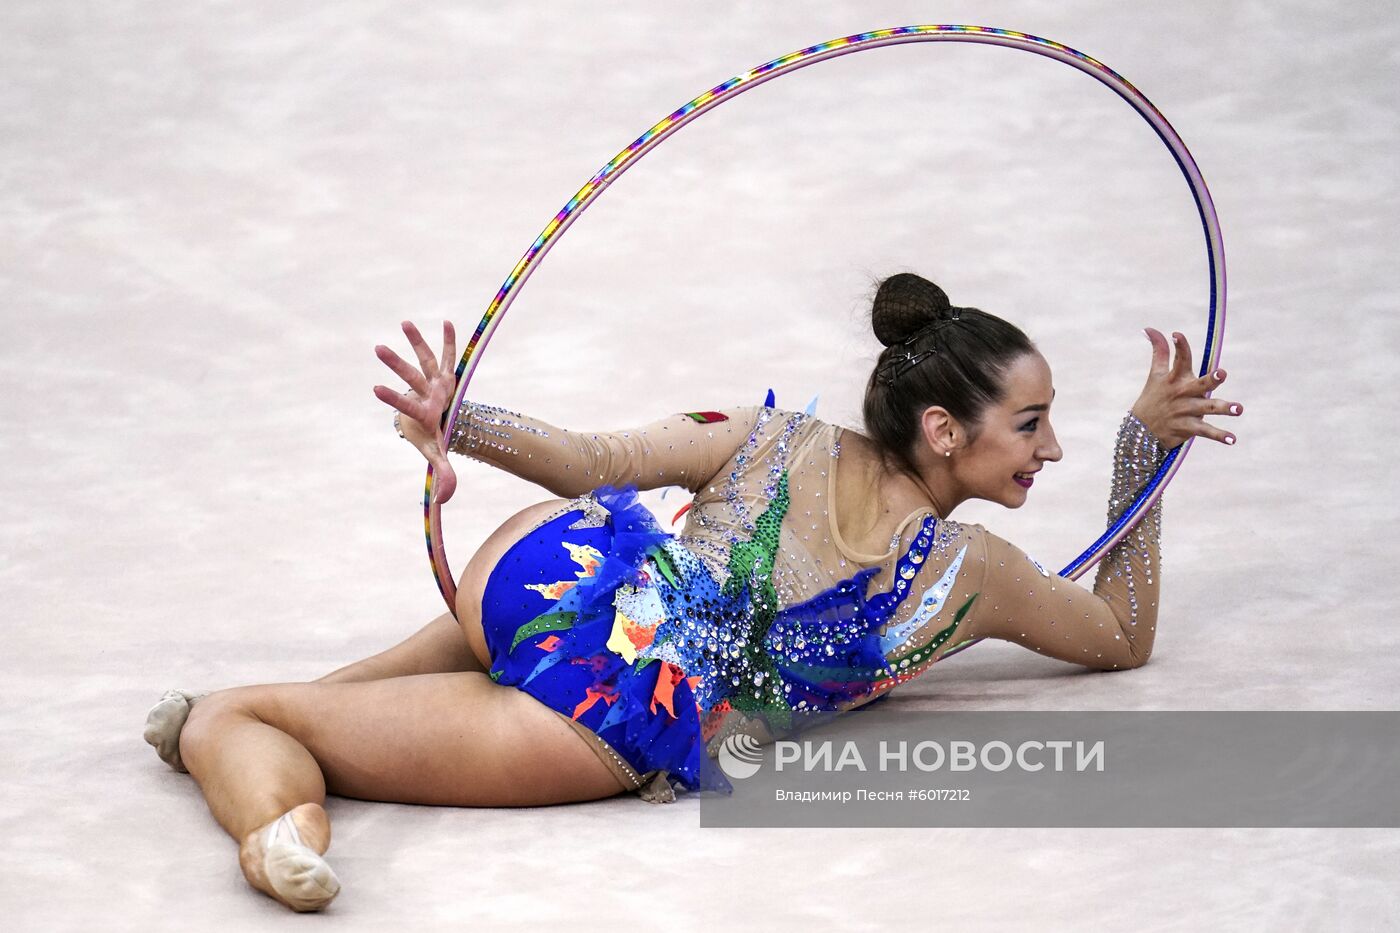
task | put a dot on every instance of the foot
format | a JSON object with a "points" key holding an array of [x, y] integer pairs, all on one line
{"points": [[283, 859], [164, 722]]}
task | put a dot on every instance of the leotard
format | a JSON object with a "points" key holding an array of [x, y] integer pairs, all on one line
{"points": [[758, 615]]}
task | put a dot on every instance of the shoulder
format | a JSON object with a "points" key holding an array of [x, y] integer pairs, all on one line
{"points": [[761, 415], [992, 572], [1003, 560], [939, 584], [944, 549], [757, 422]]}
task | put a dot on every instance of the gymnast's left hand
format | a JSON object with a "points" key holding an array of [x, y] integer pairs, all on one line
{"points": [[430, 392]]}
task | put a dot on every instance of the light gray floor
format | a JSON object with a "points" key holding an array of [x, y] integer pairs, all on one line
{"points": [[211, 212]]}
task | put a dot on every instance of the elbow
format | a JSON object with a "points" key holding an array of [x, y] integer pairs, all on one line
{"points": [[1129, 658], [1134, 658]]}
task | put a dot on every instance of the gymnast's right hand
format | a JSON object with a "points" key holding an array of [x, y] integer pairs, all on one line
{"points": [[1173, 404], [431, 391]]}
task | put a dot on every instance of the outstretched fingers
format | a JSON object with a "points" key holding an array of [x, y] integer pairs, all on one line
{"points": [[1209, 382], [420, 347], [1175, 401], [1181, 366], [1203, 428], [1215, 406], [449, 347], [1201, 406], [408, 404], [431, 390], [400, 366], [1161, 350]]}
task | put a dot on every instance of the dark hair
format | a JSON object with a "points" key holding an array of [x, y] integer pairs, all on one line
{"points": [[960, 357]]}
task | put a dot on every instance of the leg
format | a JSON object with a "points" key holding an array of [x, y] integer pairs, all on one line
{"points": [[442, 646], [437, 648], [452, 739]]}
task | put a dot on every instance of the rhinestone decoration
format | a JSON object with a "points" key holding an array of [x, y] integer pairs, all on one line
{"points": [[755, 614], [1136, 456]]}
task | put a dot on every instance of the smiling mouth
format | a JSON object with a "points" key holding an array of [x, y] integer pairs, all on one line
{"points": [[1024, 479]]}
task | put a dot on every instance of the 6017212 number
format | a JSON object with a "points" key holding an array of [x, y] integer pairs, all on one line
{"points": [[940, 794]]}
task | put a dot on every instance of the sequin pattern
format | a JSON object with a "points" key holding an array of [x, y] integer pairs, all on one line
{"points": [[756, 612], [488, 426], [717, 533], [1137, 454]]}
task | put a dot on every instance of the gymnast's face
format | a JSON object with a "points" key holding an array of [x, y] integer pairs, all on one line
{"points": [[1015, 440]]}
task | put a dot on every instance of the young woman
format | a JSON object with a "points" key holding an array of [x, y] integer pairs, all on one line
{"points": [[592, 654]]}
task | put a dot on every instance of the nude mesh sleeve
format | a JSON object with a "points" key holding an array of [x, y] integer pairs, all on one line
{"points": [[1115, 625], [1126, 579], [679, 450]]}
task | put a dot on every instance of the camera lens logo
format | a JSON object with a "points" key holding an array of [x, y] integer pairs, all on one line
{"points": [[740, 756]]}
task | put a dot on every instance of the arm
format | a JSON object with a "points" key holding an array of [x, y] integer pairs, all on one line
{"points": [[679, 450], [972, 584], [1115, 625], [685, 450]]}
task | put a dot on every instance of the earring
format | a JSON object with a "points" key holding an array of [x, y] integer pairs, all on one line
{"points": [[947, 453]]}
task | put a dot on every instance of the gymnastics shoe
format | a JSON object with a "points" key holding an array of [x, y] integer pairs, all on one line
{"points": [[164, 722], [277, 861]]}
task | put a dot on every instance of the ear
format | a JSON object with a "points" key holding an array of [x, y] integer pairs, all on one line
{"points": [[941, 430]]}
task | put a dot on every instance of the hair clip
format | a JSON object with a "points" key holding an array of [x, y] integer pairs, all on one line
{"points": [[901, 365]]}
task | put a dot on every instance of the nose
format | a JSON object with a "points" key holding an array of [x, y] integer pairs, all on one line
{"points": [[1050, 449]]}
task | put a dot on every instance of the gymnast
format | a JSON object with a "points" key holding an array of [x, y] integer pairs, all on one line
{"points": [[592, 654]]}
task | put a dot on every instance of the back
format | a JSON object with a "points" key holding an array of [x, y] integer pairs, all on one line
{"points": [[800, 621]]}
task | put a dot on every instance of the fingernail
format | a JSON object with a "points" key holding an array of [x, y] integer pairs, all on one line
{"points": [[1230, 440], [1235, 409], [1220, 374]]}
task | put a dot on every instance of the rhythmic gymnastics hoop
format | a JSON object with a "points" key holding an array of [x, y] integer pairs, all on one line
{"points": [[987, 35]]}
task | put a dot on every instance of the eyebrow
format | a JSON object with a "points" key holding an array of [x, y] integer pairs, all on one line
{"points": [[1041, 407]]}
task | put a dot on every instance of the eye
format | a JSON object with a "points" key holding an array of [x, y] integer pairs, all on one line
{"points": [[1031, 425]]}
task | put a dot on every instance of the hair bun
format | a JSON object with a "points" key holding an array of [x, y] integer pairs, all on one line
{"points": [[904, 304]]}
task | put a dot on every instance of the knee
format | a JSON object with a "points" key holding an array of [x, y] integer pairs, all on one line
{"points": [[207, 720]]}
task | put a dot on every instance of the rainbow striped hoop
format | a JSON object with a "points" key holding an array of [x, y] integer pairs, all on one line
{"points": [[595, 186]]}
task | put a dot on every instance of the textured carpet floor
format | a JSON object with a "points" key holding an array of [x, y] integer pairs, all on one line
{"points": [[211, 212]]}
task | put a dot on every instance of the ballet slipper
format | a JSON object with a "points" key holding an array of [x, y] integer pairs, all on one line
{"points": [[277, 861], [164, 722]]}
